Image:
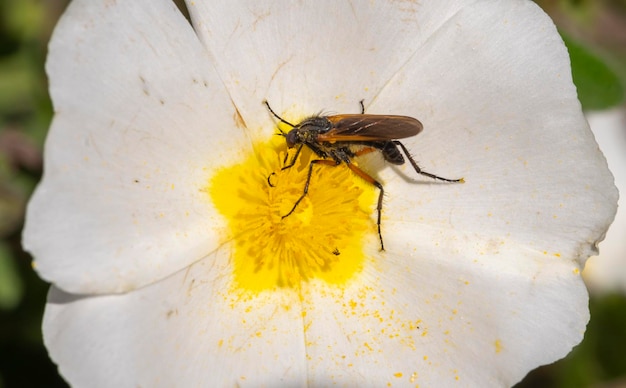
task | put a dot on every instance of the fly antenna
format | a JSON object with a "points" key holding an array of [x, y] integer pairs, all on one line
{"points": [[277, 116]]}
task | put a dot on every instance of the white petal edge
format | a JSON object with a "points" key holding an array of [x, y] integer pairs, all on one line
{"points": [[506, 118], [394, 324], [141, 121], [184, 331], [607, 271], [312, 56], [431, 317]]}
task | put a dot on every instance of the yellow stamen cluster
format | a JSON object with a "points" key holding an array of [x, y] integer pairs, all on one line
{"points": [[322, 238]]}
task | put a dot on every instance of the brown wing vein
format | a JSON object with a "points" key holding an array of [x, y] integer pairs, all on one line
{"points": [[354, 127]]}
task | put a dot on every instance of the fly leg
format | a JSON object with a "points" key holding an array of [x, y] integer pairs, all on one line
{"points": [[368, 178], [327, 162], [420, 171], [293, 161], [376, 183]]}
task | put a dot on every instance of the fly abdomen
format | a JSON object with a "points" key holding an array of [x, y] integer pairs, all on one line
{"points": [[391, 153]]}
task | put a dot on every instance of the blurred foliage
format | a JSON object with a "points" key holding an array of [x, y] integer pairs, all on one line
{"points": [[25, 113], [11, 285], [595, 32], [599, 87]]}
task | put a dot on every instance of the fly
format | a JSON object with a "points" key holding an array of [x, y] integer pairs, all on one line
{"points": [[340, 138]]}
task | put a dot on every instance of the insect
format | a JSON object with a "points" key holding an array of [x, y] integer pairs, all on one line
{"points": [[340, 138]]}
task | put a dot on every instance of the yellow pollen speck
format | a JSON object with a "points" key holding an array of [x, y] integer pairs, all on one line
{"points": [[398, 375], [498, 345], [322, 238]]}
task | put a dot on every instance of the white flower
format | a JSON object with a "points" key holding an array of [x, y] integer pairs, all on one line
{"points": [[607, 272], [172, 265]]}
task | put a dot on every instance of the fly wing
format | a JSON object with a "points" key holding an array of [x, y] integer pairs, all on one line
{"points": [[354, 127]]}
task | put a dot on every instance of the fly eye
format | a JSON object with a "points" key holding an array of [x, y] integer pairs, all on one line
{"points": [[291, 138]]}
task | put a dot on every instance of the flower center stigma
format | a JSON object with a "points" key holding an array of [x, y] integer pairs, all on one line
{"points": [[322, 238]]}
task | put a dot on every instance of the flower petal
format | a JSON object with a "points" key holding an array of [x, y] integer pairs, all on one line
{"points": [[184, 331], [432, 318], [312, 55], [607, 271], [141, 119], [491, 275], [506, 118]]}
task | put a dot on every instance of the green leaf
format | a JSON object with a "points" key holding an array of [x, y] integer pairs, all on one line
{"points": [[598, 86]]}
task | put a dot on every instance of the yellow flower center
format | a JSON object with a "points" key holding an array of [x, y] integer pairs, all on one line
{"points": [[322, 238]]}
